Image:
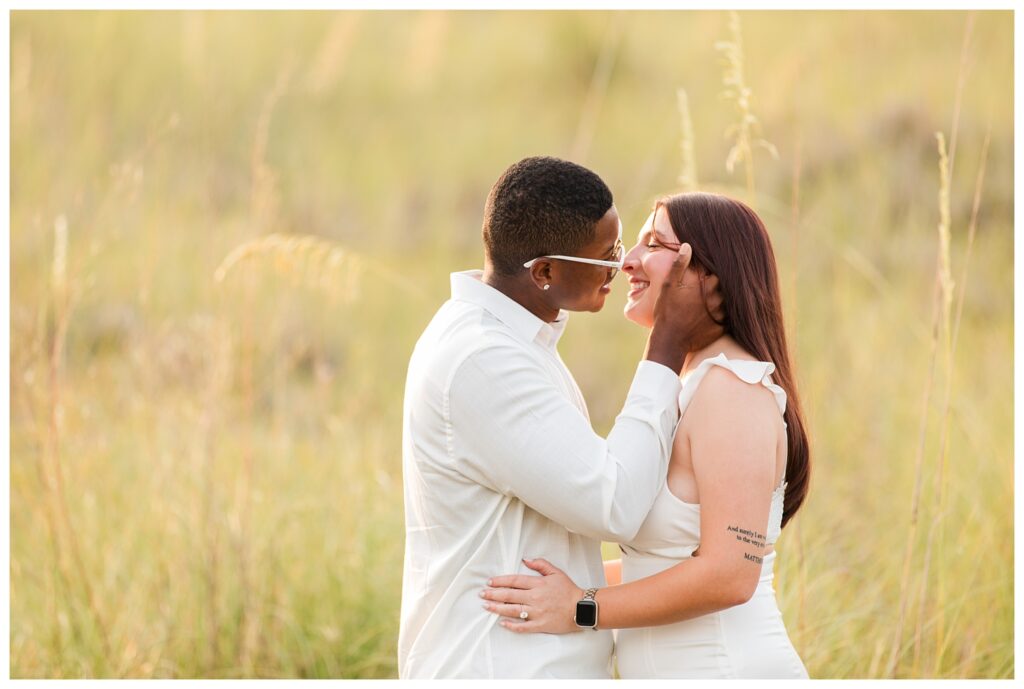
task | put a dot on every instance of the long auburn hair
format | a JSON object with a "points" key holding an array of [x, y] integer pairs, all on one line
{"points": [[731, 242]]}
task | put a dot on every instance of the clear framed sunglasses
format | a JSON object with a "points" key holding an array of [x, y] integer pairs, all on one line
{"points": [[615, 265]]}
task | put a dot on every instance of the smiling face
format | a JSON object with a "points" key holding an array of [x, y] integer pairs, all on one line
{"points": [[647, 264], [582, 286]]}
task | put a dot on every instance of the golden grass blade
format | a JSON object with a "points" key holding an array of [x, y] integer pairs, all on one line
{"points": [[263, 194], [792, 336], [944, 289], [598, 87], [946, 296], [334, 52], [971, 232], [736, 89], [61, 305], [314, 263], [908, 553], [961, 79], [942, 477], [688, 176]]}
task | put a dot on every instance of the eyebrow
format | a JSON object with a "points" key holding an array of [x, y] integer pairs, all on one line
{"points": [[660, 237]]}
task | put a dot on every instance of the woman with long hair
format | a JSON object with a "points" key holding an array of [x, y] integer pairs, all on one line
{"points": [[692, 595]]}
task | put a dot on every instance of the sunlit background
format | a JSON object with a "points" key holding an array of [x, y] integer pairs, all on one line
{"points": [[228, 230]]}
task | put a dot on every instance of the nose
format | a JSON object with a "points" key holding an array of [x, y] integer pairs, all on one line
{"points": [[632, 260]]}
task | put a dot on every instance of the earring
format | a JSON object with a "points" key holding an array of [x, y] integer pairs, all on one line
{"points": [[546, 287]]}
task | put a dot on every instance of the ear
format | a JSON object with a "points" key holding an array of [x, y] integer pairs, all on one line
{"points": [[540, 273], [714, 301]]}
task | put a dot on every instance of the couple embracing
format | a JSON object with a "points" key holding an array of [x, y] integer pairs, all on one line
{"points": [[509, 491]]}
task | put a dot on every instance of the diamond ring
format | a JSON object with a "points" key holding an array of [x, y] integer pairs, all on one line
{"points": [[524, 615]]}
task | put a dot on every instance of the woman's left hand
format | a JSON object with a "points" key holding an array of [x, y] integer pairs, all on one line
{"points": [[549, 601]]}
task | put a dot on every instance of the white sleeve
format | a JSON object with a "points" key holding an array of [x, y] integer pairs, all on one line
{"points": [[514, 431]]}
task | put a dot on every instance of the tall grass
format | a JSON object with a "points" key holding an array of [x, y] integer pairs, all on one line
{"points": [[228, 230], [688, 175], [743, 133]]}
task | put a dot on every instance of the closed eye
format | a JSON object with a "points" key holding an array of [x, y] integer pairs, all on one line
{"points": [[655, 243]]}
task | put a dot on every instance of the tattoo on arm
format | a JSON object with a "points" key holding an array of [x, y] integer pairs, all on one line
{"points": [[748, 536]]}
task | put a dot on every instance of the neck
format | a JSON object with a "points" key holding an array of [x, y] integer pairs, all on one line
{"points": [[521, 290], [724, 343]]}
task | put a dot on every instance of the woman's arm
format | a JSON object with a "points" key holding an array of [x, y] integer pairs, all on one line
{"points": [[733, 430]]}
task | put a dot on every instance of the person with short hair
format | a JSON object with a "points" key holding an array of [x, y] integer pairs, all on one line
{"points": [[499, 457]]}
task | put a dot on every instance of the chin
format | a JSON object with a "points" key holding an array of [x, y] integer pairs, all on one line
{"points": [[638, 314]]}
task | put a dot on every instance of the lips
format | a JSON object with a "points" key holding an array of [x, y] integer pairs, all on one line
{"points": [[637, 287]]}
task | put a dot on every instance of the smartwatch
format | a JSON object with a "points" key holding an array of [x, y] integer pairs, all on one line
{"points": [[586, 611]]}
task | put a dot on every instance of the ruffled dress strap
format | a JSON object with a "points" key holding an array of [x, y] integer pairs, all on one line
{"points": [[752, 372]]}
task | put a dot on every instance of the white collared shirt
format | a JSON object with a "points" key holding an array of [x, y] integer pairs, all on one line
{"points": [[500, 463]]}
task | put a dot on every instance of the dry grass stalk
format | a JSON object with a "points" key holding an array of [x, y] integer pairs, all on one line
{"points": [[597, 89], [792, 320], [333, 54], [61, 305], [126, 178], [263, 196], [305, 260], [945, 269], [745, 132], [794, 221], [943, 295], [211, 539], [946, 286], [688, 176], [219, 346], [315, 263], [960, 81], [941, 323], [47, 437], [263, 211], [971, 231], [952, 332], [59, 575], [915, 501]]}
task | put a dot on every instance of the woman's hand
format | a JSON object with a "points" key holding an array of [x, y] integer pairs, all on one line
{"points": [[549, 601]]}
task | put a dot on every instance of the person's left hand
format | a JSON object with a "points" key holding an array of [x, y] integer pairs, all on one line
{"points": [[549, 601]]}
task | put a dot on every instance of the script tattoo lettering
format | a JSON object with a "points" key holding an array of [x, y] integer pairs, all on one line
{"points": [[748, 536]]}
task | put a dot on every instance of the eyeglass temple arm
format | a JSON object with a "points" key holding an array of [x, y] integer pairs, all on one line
{"points": [[577, 259]]}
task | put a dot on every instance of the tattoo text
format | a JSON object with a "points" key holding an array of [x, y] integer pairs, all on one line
{"points": [[748, 536]]}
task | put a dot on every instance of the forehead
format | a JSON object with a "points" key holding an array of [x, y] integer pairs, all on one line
{"points": [[660, 225], [608, 230]]}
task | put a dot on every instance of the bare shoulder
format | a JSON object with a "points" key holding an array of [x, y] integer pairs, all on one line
{"points": [[723, 402], [733, 430]]}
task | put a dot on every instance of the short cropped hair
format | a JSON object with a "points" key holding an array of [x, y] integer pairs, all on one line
{"points": [[541, 206]]}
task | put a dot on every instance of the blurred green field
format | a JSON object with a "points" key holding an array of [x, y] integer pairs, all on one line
{"points": [[205, 476]]}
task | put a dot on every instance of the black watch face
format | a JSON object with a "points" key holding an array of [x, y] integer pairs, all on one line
{"points": [[586, 613]]}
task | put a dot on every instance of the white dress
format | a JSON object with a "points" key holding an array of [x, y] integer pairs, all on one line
{"points": [[745, 641]]}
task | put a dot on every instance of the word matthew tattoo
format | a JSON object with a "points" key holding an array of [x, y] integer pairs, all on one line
{"points": [[749, 536]]}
